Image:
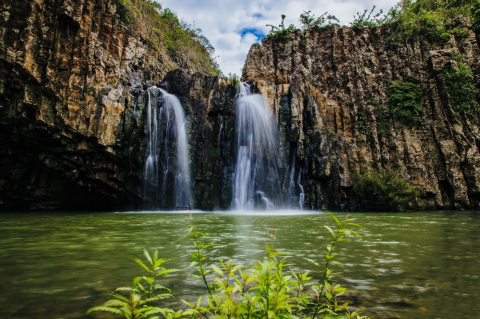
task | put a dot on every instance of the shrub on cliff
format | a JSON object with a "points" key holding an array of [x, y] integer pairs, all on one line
{"points": [[281, 31], [308, 20], [427, 19], [367, 19], [475, 12], [460, 87], [385, 190], [167, 33], [268, 289], [404, 100]]}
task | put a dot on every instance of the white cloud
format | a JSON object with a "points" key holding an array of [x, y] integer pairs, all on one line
{"points": [[222, 21]]}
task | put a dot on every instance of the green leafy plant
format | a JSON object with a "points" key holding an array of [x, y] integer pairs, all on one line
{"points": [[281, 31], [142, 293], [404, 100], [460, 87], [330, 132], [475, 12], [268, 289], [385, 189], [308, 20], [124, 10], [167, 33], [233, 79], [331, 290], [367, 19], [430, 20]]}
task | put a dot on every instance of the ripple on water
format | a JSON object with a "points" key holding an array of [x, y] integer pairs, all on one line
{"points": [[405, 257]]}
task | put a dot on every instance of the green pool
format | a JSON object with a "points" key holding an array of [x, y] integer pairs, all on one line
{"points": [[410, 265]]}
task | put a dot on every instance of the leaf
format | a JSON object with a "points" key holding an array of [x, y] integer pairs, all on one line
{"points": [[106, 309], [149, 280], [135, 281], [188, 304], [217, 270], [353, 224], [115, 303], [331, 231], [199, 301], [353, 232], [156, 298], [313, 262], [195, 276], [184, 237], [334, 218], [147, 255], [138, 261]]}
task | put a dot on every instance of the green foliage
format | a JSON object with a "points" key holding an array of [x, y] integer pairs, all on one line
{"points": [[179, 36], [309, 21], [385, 189], [280, 31], [268, 289], [124, 10], [460, 87], [362, 21], [233, 79], [164, 30], [381, 114], [330, 132], [427, 19], [142, 294], [475, 12], [404, 100]]}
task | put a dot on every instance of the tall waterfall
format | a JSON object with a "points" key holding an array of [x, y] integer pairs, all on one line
{"points": [[167, 152], [256, 181]]}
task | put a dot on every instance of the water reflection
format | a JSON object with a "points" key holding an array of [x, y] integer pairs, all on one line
{"points": [[418, 265]]}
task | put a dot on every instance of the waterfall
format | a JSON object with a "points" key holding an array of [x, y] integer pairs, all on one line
{"points": [[301, 197], [167, 152], [256, 179], [291, 194]]}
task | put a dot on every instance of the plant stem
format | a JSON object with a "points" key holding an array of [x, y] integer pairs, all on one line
{"points": [[324, 279]]}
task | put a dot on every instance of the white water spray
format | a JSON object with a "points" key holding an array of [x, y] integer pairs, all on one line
{"points": [[256, 176], [167, 129], [301, 197]]}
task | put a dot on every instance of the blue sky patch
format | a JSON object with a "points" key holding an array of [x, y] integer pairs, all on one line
{"points": [[258, 33], [257, 15]]}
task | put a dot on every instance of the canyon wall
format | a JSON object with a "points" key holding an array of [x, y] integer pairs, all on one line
{"points": [[73, 112], [72, 75], [328, 88]]}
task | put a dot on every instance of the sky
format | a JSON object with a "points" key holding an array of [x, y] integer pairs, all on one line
{"points": [[233, 26]]}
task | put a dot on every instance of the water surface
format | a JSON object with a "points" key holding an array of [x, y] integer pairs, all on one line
{"points": [[410, 265]]}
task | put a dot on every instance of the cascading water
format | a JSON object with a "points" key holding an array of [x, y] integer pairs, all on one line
{"points": [[256, 180], [291, 194], [167, 152], [301, 197]]}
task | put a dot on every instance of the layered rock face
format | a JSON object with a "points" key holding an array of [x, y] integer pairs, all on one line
{"points": [[74, 113], [323, 86], [72, 77]]}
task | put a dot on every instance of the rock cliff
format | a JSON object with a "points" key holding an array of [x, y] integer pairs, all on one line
{"points": [[328, 88], [73, 111], [72, 75]]}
